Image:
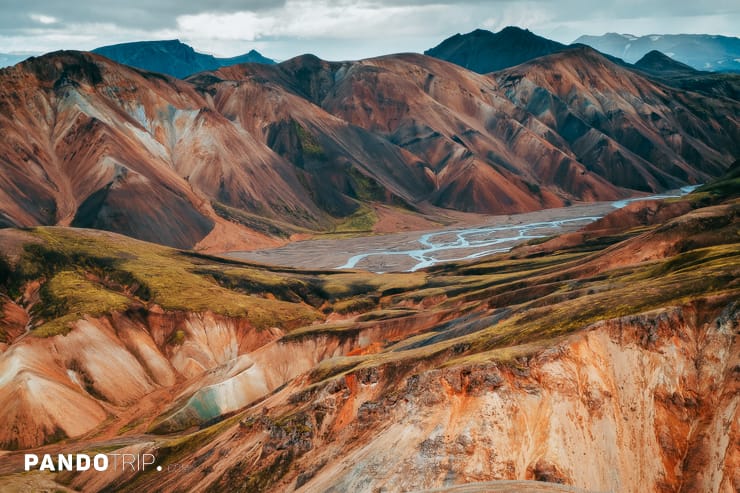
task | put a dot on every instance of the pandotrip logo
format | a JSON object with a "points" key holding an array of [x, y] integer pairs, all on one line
{"points": [[85, 462]]}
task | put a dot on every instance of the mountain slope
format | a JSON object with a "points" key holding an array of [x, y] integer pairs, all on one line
{"points": [[171, 57], [447, 119], [489, 149], [483, 51], [96, 144], [250, 154], [700, 51], [634, 132]]}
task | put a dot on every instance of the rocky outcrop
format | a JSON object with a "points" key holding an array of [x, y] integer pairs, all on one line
{"points": [[641, 403]]}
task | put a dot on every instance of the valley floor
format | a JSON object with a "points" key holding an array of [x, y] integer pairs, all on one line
{"points": [[473, 236]]}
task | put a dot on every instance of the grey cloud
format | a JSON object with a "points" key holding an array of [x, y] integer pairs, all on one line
{"points": [[144, 14]]}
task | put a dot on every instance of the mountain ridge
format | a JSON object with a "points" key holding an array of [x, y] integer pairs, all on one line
{"points": [[172, 57], [483, 51], [700, 51]]}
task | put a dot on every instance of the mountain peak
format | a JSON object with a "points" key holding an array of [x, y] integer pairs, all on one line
{"points": [[484, 51], [656, 61]]}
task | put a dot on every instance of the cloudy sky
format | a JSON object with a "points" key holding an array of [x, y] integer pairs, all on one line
{"points": [[338, 29]]}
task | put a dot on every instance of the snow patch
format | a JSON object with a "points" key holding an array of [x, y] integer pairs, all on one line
{"points": [[655, 38]]}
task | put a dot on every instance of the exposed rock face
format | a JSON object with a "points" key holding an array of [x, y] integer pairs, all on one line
{"points": [[594, 127], [65, 386], [636, 404], [643, 403], [95, 144]]}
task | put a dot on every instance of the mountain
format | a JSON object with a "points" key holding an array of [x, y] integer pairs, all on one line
{"points": [[657, 63], [677, 74], [172, 57], [92, 143], [632, 131], [463, 143], [248, 155], [483, 51], [605, 360], [700, 51], [489, 151]]}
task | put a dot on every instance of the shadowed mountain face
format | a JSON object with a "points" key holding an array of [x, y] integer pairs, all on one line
{"points": [[700, 51], [483, 51], [172, 57], [658, 63], [679, 75], [238, 156]]}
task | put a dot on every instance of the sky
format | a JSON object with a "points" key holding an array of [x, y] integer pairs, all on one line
{"points": [[338, 29]]}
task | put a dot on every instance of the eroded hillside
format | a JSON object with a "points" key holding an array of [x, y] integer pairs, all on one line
{"points": [[604, 359], [249, 156]]}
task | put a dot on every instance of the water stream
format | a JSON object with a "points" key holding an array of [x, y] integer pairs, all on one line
{"points": [[435, 247]]}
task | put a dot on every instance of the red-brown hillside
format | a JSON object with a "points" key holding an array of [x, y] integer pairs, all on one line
{"points": [[92, 143], [635, 132], [246, 153]]}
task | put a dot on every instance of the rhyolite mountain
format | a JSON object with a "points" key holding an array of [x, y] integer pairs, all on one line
{"points": [[247, 155], [636, 133], [483, 51], [172, 57], [605, 359], [700, 51]]}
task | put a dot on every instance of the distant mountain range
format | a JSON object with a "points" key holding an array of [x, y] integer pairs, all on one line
{"points": [[172, 57], [484, 51], [700, 51]]}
